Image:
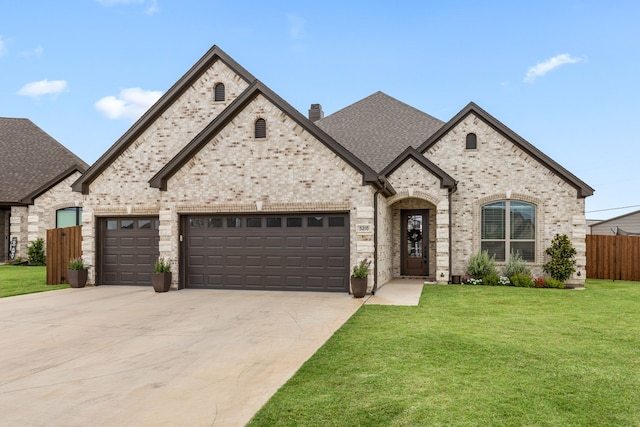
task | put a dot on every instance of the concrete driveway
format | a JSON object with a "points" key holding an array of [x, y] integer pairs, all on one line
{"points": [[113, 355]]}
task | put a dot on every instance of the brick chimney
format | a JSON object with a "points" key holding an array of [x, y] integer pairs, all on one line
{"points": [[315, 112]]}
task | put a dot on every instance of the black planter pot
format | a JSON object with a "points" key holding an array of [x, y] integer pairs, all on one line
{"points": [[77, 278], [358, 286], [161, 281]]}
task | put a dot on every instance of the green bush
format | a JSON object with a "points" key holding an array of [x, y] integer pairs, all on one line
{"points": [[35, 252], [521, 280], [553, 283], [562, 253], [491, 280], [481, 265], [515, 265], [162, 266]]}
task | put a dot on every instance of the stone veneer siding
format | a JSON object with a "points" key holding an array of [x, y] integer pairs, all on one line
{"points": [[123, 187], [289, 170], [417, 188], [27, 223], [499, 170]]}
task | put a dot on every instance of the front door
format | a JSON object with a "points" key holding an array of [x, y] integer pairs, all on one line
{"points": [[414, 254]]}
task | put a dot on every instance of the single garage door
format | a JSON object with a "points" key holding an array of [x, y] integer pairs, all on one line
{"points": [[128, 250], [292, 252]]}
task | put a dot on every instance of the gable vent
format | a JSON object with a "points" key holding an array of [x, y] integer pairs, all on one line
{"points": [[260, 130], [218, 92]]}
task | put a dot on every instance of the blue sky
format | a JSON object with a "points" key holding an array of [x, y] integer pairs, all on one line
{"points": [[561, 74]]}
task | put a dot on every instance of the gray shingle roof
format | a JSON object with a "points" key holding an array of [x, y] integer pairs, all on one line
{"points": [[379, 128], [30, 159]]}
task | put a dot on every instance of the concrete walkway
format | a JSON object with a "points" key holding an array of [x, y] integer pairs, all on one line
{"points": [[398, 292], [126, 356]]}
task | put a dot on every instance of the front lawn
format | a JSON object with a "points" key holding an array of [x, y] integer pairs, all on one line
{"points": [[476, 356], [20, 279]]}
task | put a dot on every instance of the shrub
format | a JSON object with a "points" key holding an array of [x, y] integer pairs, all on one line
{"points": [[491, 280], [522, 280], [539, 282], [553, 283], [515, 265], [562, 253], [35, 252], [361, 270], [77, 264], [162, 266], [504, 281], [481, 265]]}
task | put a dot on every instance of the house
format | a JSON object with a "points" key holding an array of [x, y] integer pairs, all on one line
{"points": [[36, 173], [239, 190], [625, 225]]}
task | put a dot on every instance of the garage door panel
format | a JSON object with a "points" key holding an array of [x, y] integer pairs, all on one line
{"points": [[215, 261], [315, 242], [274, 242], [234, 242], [294, 262], [196, 261], [293, 242], [271, 252], [315, 262], [254, 242], [254, 261], [336, 242], [336, 262]]}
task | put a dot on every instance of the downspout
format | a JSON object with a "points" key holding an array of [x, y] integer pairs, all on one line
{"points": [[375, 234], [451, 191]]}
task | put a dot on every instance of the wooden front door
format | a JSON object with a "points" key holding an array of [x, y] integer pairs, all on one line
{"points": [[414, 242]]}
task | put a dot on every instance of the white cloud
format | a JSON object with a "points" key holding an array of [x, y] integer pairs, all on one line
{"points": [[3, 47], [544, 67], [151, 5], [43, 87], [296, 26], [130, 104], [36, 52]]}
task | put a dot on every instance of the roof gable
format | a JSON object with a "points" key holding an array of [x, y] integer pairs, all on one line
{"points": [[446, 181], [31, 162], [583, 189], [195, 72], [378, 128], [255, 89]]}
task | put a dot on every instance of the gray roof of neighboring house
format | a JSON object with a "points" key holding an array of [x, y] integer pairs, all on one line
{"points": [[379, 128], [31, 161]]}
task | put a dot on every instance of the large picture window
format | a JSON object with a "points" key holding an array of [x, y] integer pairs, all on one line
{"points": [[509, 227], [68, 217]]}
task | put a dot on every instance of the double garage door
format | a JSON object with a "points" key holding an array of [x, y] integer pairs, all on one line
{"points": [[270, 252], [297, 252]]}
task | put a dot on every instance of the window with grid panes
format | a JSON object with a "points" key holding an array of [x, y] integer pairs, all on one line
{"points": [[508, 227]]}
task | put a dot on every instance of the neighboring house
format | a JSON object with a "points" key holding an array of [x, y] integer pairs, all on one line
{"points": [[240, 191], [625, 225], [36, 173]]}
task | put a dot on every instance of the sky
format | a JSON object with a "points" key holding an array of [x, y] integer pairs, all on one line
{"points": [[562, 74]]}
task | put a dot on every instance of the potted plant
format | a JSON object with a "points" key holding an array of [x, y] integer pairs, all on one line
{"points": [[77, 273], [359, 278], [161, 278]]}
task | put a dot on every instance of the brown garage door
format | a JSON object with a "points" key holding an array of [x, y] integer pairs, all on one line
{"points": [[128, 250], [293, 252]]}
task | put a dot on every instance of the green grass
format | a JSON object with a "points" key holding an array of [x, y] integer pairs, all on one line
{"points": [[476, 356], [20, 279]]}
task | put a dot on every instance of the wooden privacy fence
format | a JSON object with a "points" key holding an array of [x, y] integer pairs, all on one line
{"points": [[613, 257], [63, 244]]}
